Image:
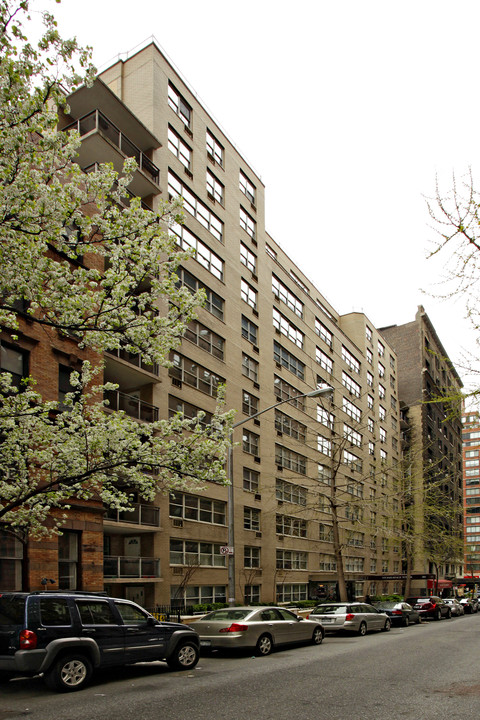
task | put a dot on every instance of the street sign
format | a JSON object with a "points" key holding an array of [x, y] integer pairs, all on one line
{"points": [[226, 550]]}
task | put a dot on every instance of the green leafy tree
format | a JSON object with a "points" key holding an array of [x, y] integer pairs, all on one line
{"points": [[104, 276]]}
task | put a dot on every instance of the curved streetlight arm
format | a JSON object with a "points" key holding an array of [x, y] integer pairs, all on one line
{"points": [[319, 392]]}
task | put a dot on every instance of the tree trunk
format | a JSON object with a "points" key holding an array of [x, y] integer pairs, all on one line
{"points": [[337, 548]]}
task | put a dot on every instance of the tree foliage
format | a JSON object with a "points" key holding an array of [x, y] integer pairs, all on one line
{"points": [[86, 268]]}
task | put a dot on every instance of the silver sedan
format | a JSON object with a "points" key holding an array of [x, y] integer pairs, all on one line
{"points": [[261, 628], [350, 617]]}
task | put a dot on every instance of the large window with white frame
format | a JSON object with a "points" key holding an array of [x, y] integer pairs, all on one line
{"points": [[249, 330], [248, 258], [197, 594], [290, 525], [350, 360], [215, 150], [289, 361], [351, 409], [285, 391], [249, 367], [195, 207], [249, 403], [324, 333], [251, 443], [205, 338], [247, 223], [198, 508], [324, 360], [291, 560], [291, 592], [325, 417], [353, 436], [194, 374], [251, 480], [248, 294], [251, 519], [196, 554], [324, 445], [203, 255], [290, 460], [179, 148], [179, 105], [287, 425], [284, 326], [247, 187], [281, 291], [351, 385], [289, 492], [215, 188], [214, 304], [251, 557]]}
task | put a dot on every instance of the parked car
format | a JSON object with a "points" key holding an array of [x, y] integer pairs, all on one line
{"points": [[455, 606], [430, 607], [350, 617], [261, 628], [468, 605], [400, 613], [66, 636]]}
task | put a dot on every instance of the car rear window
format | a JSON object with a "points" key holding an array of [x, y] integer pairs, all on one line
{"points": [[330, 609], [12, 610], [227, 614]]}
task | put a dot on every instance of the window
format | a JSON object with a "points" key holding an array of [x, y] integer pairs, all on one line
{"points": [[251, 519], [248, 259], [251, 557], [251, 480], [205, 338], [368, 333], [369, 355], [248, 294], [68, 547], [195, 207], [249, 330], [197, 594], [11, 557], [324, 445], [381, 349], [189, 411], [352, 435], [355, 538], [270, 251], [193, 554], [247, 187], [381, 391], [285, 391], [179, 148], [381, 370], [289, 361], [383, 435], [350, 360], [327, 563], [215, 188], [96, 613], [215, 150], [247, 223], [214, 304], [325, 532], [251, 443], [286, 296], [324, 333], [298, 282], [354, 564], [249, 404], [371, 424], [369, 379], [355, 488], [291, 560], [352, 460], [371, 448], [202, 253], [287, 425], [287, 328], [14, 361], [324, 474], [324, 360], [291, 592], [382, 413], [370, 402], [54, 612], [291, 460], [289, 525], [179, 105], [249, 368], [351, 385], [325, 417], [288, 492], [352, 410], [64, 386], [199, 508], [194, 375]]}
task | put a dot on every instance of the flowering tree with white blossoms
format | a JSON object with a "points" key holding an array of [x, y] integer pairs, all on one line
{"points": [[100, 285]]}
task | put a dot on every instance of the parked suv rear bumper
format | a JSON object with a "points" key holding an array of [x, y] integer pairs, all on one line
{"points": [[27, 661]]}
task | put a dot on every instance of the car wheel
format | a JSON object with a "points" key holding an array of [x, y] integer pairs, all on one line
{"points": [[418, 620], [449, 614], [264, 645], [184, 657], [69, 673], [438, 615], [362, 630], [387, 626], [406, 621], [317, 637]]}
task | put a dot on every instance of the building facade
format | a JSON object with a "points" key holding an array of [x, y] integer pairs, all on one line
{"points": [[471, 493]]}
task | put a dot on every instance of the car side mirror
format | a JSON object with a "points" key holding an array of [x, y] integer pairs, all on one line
{"points": [[300, 618], [151, 622]]}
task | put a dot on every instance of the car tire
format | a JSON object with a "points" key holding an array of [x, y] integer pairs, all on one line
{"points": [[184, 657], [449, 614], [69, 673], [387, 626], [362, 630], [438, 615], [317, 636], [406, 621], [264, 645], [418, 620]]}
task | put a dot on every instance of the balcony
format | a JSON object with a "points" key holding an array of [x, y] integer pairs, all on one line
{"points": [[103, 141], [129, 370], [121, 566], [140, 514], [131, 405], [128, 195]]}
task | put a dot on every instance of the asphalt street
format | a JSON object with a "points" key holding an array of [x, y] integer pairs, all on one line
{"points": [[426, 672]]}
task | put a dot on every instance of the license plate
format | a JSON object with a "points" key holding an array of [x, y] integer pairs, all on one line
{"points": [[205, 643], [327, 620]]}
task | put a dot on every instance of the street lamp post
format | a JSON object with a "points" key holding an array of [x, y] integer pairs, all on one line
{"points": [[325, 390]]}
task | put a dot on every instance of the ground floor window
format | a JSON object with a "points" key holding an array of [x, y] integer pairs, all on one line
{"points": [[291, 592], [11, 559], [252, 594], [197, 594]]}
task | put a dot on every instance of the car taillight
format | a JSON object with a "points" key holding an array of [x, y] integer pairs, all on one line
{"points": [[234, 627], [349, 616], [428, 606], [396, 612], [28, 640]]}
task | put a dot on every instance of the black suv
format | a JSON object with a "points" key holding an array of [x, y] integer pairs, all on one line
{"points": [[65, 635]]}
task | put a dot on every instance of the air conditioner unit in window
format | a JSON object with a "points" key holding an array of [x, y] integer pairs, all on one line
{"points": [[177, 522], [258, 534], [258, 496], [178, 571], [177, 382]]}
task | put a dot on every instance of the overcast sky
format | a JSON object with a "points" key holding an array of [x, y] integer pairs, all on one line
{"points": [[347, 110]]}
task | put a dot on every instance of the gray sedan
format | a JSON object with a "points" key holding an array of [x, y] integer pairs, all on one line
{"points": [[261, 628], [350, 617]]}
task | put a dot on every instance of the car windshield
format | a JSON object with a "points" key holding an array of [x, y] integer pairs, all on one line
{"points": [[330, 609], [387, 604], [228, 614]]}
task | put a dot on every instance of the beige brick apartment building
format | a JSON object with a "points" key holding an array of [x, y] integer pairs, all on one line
{"points": [[269, 335]]}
